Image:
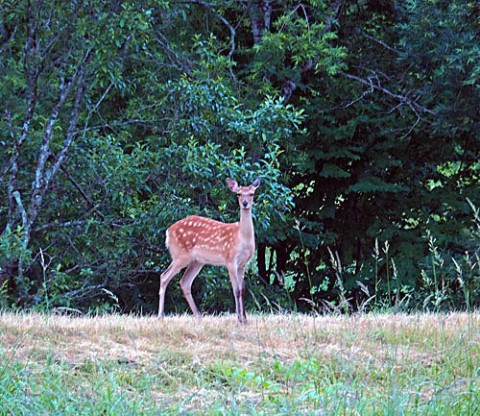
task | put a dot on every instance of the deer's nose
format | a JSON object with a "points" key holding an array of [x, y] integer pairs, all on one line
{"points": [[245, 204]]}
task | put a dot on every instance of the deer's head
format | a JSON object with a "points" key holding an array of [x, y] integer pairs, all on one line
{"points": [[245, 194]]}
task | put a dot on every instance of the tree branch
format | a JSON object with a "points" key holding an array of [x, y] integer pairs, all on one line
{"points": [[289, 86], [66, 224], [43, 177], [374, 84], [382, 43], [82, 192], [224, 21], [74, 114], [7, 36], [21, 208], [31, 94], [38, 184], [337, 9]]}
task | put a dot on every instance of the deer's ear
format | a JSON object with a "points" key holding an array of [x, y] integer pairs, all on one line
{"points": [[256, 183], [233, 185]]}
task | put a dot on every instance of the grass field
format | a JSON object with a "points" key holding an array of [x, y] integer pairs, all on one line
{"points": [[276, 365]]}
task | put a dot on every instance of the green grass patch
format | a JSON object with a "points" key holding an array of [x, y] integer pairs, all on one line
{"points": [[277, 365]]}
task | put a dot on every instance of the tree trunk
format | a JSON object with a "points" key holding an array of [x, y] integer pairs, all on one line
{"points": [[261, 261], [260, 12], [24, 205]]}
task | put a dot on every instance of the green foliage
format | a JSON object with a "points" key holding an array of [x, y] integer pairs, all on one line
{"points": [[28, 390], [299, 37], [11, 245]]}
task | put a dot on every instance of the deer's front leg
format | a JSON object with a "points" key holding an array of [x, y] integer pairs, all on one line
{"points": [[232, 273], [241, 289]]}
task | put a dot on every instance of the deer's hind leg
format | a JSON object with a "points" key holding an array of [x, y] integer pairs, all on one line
{"points": [[167, 275], [186, 284]]}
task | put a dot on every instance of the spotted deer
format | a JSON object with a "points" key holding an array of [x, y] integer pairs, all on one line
{"points": [[196, 241]]}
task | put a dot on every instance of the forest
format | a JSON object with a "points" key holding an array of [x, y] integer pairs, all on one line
{"points": [[361, 118]]}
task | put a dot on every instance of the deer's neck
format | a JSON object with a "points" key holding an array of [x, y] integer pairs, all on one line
{"points": [[245, 225]]}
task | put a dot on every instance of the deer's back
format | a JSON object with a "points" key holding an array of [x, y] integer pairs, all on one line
{"points": [[204, 239]]}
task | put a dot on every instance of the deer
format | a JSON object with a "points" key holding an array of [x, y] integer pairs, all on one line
{"points": [[196, 241]]}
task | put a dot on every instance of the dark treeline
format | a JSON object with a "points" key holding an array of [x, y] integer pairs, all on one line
{"points": [[361, 118]]}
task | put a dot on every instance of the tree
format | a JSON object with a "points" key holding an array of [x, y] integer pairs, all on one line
{"points": [[102, 102]]}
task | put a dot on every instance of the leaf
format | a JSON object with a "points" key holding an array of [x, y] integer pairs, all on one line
{"points": [[369, 184], [333, 171]]}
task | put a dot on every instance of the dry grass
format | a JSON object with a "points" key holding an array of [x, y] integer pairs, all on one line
{"points": [[216, 359], [288, 337]]}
